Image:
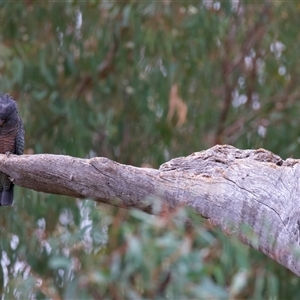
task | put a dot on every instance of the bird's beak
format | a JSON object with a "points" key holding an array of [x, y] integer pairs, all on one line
{"points": [[1, 122]]}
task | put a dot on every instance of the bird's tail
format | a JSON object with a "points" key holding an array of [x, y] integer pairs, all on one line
{"points": [[7, 196]]}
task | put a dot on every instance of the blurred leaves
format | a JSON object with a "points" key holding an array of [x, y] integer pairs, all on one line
{"points": [[176, 106], [140, 83]]}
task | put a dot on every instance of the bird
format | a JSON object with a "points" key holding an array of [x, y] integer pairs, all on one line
{"points": [[12, 141]]}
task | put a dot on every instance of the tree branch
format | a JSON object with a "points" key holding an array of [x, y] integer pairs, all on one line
{"points": [[251, 193]]}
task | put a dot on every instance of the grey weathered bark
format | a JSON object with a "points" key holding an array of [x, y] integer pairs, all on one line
{"points": [[251, 193]]}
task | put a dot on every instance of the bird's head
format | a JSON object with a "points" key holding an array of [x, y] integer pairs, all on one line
{"points": [[7, 108]]}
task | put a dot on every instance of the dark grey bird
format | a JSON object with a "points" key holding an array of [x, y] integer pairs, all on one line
{"points": [[11, 141]]}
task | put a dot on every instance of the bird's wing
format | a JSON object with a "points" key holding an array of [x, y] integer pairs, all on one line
{"points": [[20, 139]]}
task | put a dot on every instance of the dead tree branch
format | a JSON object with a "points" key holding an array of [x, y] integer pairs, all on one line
{"points": [[253, 194]]}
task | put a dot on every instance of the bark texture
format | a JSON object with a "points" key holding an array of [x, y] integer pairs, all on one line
{"points": [[253, 194]]}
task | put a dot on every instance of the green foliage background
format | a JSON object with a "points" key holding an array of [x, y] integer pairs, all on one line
{"points": [[93, 78]]}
